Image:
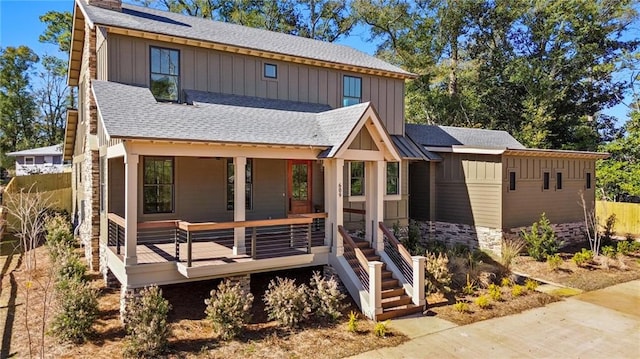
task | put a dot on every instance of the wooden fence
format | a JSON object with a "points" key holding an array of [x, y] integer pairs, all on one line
{"points": [[627, 216]]}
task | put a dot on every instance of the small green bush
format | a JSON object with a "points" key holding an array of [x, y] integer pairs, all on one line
{"points": [[286, 302], [327, 302], [380, 329], [517, 290], [495, 292], [609, 251], [583, 257], [624, 247], [70, 267], [530, 284], [554, 262], [59, 238], [147, 327], [352, 325], [413, 239], [483, 302], [461, 307], [228, 309], [510, 250], [77, 309], [437, 275], [541, 240], [608, 228]]}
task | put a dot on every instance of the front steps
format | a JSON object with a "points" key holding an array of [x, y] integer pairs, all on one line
{"points": [[395, 302]]}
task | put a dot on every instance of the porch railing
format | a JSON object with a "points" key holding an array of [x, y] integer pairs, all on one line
{"points": [[355, 257], [399, 255], [263, 238]]}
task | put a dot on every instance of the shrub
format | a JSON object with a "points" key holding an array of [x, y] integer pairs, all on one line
{"points": [[438, 277], [352, 325], [510, 250], [77, 309], [609, 251], [459, 250], [59, 238], [380, 329], [554, 262], [147, 327], [228, 309], [495, 292], [608, 227], [517, 290], [483, 302], [541, 240], [583, 257], [506, 282], [624, 247], [470, 287], [286, 302], [70, 267], [412, 241], [326, 298], [461, 307], [530, 284]]}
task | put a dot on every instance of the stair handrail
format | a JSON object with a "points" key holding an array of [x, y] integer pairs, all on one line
{"points": [[394, 241], [362, 259]]}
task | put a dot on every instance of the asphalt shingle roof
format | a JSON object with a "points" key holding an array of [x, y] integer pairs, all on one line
{"points": [[132, 112], [447, 136], [168, 23], [40, 151]]}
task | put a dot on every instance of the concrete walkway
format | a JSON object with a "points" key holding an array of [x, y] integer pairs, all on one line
{"points": [[599, 324]]}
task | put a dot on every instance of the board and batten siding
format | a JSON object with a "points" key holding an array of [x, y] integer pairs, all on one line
{"points": [[524, 206], [469, 189], [216, 71]]}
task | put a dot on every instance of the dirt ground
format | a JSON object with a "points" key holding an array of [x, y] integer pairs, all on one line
{"points": [[192, 336], [588, 278]]}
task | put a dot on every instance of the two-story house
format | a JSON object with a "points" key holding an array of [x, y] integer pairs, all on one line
{"points": [[203, 149]]}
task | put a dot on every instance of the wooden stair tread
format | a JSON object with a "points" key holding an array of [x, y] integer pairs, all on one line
{"points": [[399, 312], [393, 292], [395, 302]]}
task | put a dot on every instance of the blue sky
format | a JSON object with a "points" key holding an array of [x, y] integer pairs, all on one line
{"points": [[20, 25]]}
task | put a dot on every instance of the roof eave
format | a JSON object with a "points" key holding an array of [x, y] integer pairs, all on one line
{"points": [[77, 45], [70, 133], [536, 152]]}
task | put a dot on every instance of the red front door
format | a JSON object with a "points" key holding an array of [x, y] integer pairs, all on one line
{"points": [[299, 187]]}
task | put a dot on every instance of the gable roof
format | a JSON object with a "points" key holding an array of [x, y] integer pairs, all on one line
{"points": [[132, 112], [447, 136], [269, 43], [40, 151]]}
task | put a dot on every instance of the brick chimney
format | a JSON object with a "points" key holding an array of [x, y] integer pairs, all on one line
{"points": [[107, 4]]}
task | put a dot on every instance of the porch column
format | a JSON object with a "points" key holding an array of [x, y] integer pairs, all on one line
{"points": [[374, 196], [333, 202], [130, 209], [239, 207]]}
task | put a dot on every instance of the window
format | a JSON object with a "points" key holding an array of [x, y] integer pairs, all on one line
{"points": [[512, 181], [558, 180], [545, 180], [165, 73], [270, 71], [48, 159], [352, 91], [356, 170], [248, 184], [588, 180], [29, 161], [158, 185], [393, 178]]}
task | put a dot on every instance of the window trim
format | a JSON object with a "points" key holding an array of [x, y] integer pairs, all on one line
{"points": [[344, 77], [264, 71], [179, 75], [358, 197], [393, 196], [248, 185], [173, 185], [33, 160], [546, 171]]}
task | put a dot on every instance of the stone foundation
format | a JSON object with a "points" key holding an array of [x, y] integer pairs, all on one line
{"points": [[110, 280], [126, 296], [451, 234], [567, 233], [243, 280]]}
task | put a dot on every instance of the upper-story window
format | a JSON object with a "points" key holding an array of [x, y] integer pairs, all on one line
{"points": [[270, 71], [352, 90], [165, 73]]}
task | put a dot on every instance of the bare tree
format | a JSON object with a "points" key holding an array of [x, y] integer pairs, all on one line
{"points": [[591, 225]]}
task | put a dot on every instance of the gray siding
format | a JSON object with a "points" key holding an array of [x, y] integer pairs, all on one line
{"points": [[524, 205], [215, 71], [468, 189]]}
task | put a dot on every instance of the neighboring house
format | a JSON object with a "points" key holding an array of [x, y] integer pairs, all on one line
{"points": [[39, 160], [204, 150], [489, 186]]}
